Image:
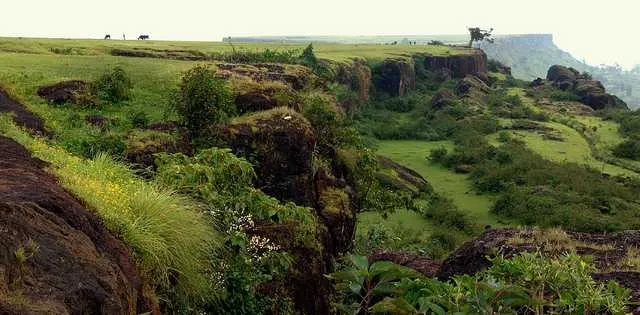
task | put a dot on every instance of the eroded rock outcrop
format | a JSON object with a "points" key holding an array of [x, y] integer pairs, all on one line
{"points": [[356, 75], [55, 256], [458, 65], [281, 143], [395, 76], [591, 92]]}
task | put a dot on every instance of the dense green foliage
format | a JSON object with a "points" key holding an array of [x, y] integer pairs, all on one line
{"points": [[289, 56], [535, 191], [249, 259], [527, 282]]}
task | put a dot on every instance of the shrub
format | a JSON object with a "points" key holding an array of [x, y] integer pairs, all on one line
{"points": [[95, 143], [329, 122], [113, 86], [203, 100], [628, 149], [564, 96], [535, 191], [504, 136], [259, 56], [438, 155], [139, 119]]}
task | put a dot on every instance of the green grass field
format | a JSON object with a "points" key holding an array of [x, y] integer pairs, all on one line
{"points": [[337, 52], [410, 229], [413, 153]]}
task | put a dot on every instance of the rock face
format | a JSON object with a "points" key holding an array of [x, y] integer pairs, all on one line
{"points": [[281, 144], [460, 65], [395, 76], [472, 89], [591, 92], [356, 75], [63, 92], [55, 256]]}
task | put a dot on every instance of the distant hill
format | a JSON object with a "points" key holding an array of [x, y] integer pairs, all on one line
{"points": [[531, 55]]}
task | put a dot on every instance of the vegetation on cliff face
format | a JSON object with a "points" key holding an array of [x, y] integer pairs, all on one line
{"points": [[256, 178]]}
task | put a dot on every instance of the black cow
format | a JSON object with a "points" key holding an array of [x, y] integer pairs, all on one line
{"points": [[143, 37], [107, 36]]}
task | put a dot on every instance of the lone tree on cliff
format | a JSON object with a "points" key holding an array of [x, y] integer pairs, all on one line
{"points": [[478, 35]]}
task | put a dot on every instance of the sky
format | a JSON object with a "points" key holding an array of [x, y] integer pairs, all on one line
{"points": [[597, 31]]}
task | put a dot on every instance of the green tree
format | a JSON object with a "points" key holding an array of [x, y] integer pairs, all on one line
{"points": [[477, 35]]}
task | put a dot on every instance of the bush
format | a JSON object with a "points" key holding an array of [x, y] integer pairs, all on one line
{"points": [[95, 143], [262, 56], [628, 149], [139, 119], [564, 96], [203, 100], [535, 191], [504, 136], [438, 155], [329, 123], [113, 86]]}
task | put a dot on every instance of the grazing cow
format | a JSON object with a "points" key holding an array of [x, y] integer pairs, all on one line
{"points": [[107, 36], [143, 37]]}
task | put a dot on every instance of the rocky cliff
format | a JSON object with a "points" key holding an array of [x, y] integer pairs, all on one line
{"points": [[458, 66]]}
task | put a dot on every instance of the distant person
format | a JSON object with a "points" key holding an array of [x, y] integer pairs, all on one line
{"points": [[124, 37]]}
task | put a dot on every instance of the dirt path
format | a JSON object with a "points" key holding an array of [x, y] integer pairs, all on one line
{"points": [[23, 117]]}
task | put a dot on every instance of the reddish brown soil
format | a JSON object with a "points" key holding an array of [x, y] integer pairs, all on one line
{"points": [[63, 92], [22, 117], [78, 268]]}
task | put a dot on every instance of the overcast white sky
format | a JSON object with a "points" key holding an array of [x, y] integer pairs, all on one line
{"points": [[599, 31]]}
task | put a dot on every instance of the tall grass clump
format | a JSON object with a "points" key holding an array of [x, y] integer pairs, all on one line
{"points": [[172, 241]]}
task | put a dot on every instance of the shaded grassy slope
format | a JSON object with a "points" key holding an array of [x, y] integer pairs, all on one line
{"points": [[413, 153], [573, 149]]}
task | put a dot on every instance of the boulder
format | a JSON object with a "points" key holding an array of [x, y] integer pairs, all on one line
{"points": [[472, 86], [56, 257], [280, 143], [563, 77], [591, 92]]}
